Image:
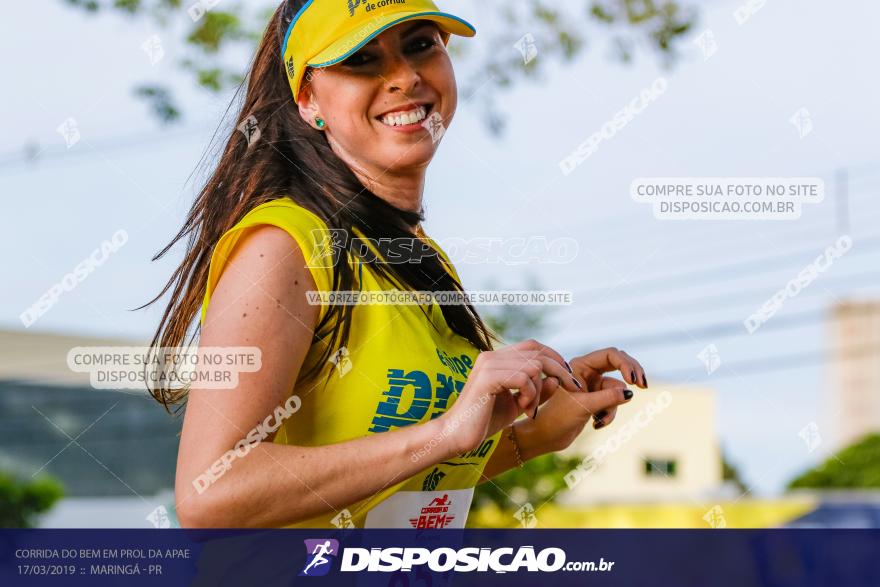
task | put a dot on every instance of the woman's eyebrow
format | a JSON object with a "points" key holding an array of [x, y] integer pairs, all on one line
{"points": [[416, 26], [409, 30]]}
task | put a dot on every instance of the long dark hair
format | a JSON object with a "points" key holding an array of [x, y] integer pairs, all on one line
{"points": [[284, 162]]}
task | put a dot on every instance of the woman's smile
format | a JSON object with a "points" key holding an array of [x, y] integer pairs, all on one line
{"points": [[408, 119]]}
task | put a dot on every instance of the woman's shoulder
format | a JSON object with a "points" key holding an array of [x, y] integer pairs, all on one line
{"points": [[309, 232], [283, 211]]}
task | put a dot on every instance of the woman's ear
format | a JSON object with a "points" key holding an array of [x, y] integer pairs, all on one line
{"points": [[308, 107]]}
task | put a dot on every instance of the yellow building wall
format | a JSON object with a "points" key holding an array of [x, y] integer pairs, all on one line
{"points": [[738, 514]]}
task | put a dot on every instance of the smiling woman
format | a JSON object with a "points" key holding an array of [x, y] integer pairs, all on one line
{"points": [[377, 132], [401, 409]]}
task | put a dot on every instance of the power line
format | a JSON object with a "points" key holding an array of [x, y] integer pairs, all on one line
{"points": [[726, 272], [31, 153], [613, 223], [754, 367], [780, 231], [721, 330], [629, 313]]}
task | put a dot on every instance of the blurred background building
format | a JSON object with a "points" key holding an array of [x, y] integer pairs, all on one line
{"points": [[663, 446], [114, 452], [853, 389]]}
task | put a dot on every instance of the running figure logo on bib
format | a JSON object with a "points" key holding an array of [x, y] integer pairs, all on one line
{"points": [[435, 514]]}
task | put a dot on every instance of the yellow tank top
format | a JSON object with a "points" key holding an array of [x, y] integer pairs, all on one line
{"points": [[396, 370]]}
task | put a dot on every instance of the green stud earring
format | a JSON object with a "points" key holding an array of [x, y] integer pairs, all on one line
{"points": [[320, 122]]}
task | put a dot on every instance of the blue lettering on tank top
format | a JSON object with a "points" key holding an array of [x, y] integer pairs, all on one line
{"points": [[390, 413]]}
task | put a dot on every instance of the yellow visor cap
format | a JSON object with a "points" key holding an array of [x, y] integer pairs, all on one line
{"points": [[326, 32]]}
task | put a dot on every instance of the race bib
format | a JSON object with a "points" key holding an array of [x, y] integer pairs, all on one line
{"points": [[422, 509]]}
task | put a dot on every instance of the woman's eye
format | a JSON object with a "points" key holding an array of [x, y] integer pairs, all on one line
{"points": [[421, 44], [359, 58]]}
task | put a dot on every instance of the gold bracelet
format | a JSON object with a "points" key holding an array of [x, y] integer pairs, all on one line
{"points": [[511, 434]]}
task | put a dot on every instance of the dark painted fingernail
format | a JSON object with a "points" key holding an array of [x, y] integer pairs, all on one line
{"points": [[598, 424], [567, 366], [577, 383], [627, 394], [644, 380], [600, 415], [632, 375]]}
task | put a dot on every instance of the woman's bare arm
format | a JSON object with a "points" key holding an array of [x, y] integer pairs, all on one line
{"points": [[260, 301]]}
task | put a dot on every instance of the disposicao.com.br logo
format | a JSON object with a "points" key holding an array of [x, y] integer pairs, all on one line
{"points": [[320, 552], [444, 559]]}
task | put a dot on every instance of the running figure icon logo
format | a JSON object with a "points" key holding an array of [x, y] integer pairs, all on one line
{"points": [[435, 515], [321, 552]]}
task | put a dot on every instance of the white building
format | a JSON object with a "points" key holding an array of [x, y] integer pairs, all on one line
{"points": [[853, 388], [662, 446]]}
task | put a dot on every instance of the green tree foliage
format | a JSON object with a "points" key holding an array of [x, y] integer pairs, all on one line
{"points": [[560, 31], [731, 473], [538, 482], [855, 467], [516, 323], [21, 502]]}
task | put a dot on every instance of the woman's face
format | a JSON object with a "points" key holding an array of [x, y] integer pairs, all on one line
{"points": [[376, 104]]}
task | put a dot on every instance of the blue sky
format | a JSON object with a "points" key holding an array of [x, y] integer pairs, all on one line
{"points": [[725, 116]]}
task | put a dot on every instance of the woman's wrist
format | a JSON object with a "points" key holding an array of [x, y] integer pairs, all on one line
{"points": [[520, 442], [530, 439], [437, 439]]}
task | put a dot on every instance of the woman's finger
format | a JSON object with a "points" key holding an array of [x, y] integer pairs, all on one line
{"points": [[603, 399], [637, 372], [549, 386], [553, 367], [611, 382], [612, 359], [534, 345], [531, 397], [530, 368], [534, 360], [532, 409], [604, 418], [509, 379], [538, 361]]}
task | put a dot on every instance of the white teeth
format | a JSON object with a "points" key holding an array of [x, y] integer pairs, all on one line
{"points": [[411, 117]]}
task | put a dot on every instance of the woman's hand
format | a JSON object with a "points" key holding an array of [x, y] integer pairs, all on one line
{"points": [[563, 416], [487, 402], [590, 369]]}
